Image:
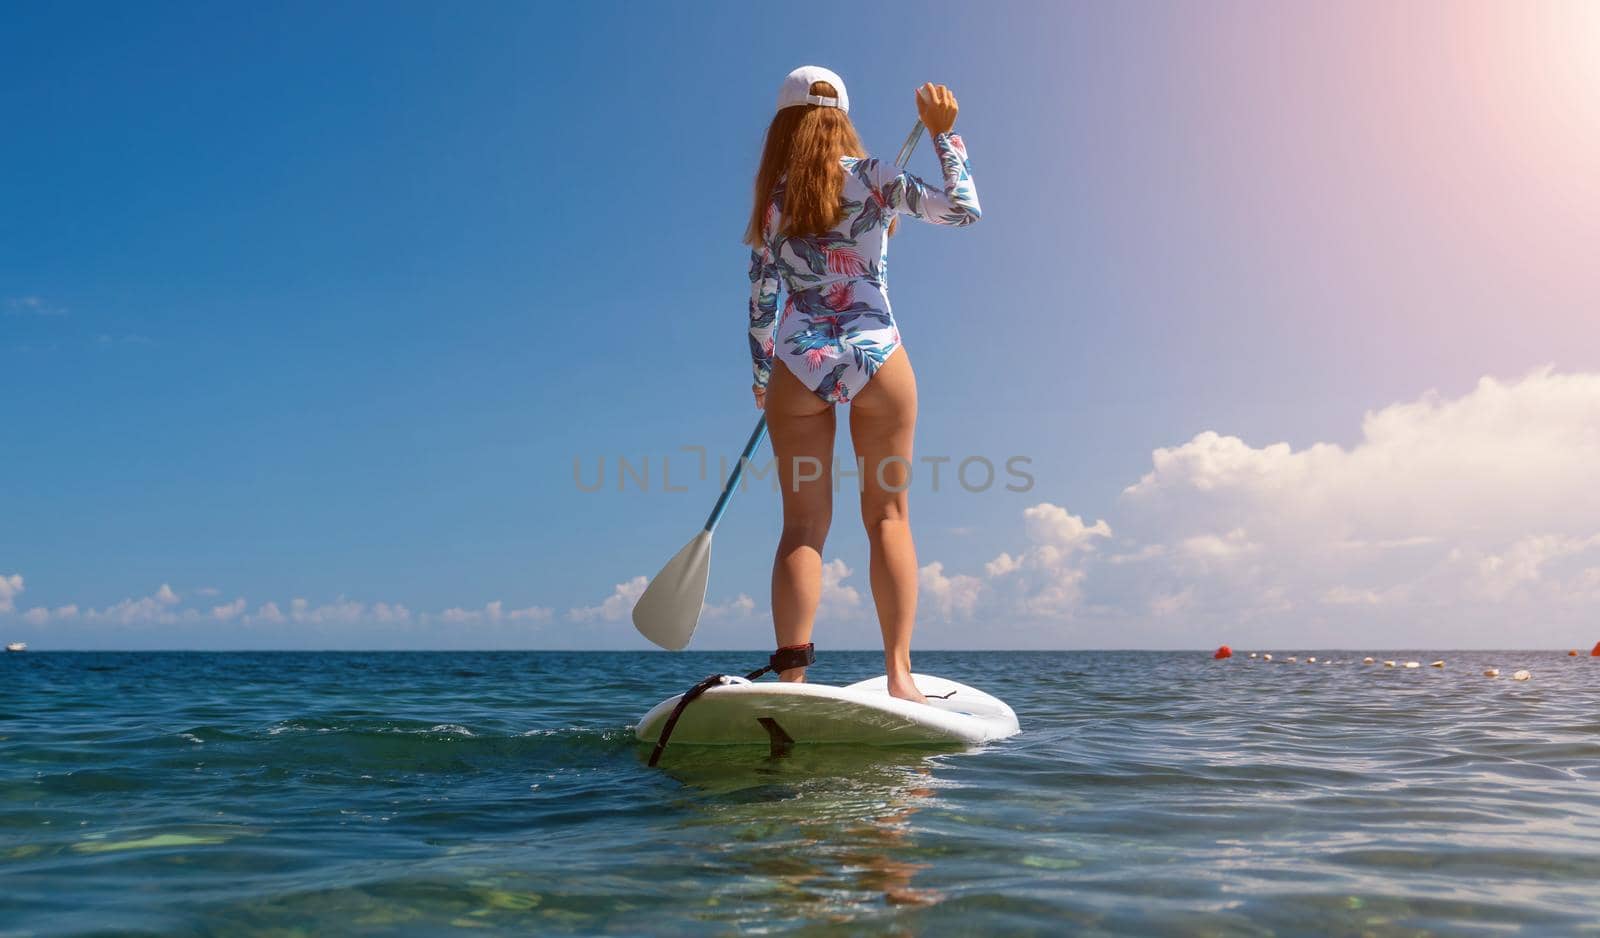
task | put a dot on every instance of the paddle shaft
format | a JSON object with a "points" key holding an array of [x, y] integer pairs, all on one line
{"points": [[756, 436], [909, 145]]}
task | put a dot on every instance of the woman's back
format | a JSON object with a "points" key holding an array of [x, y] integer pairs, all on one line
{"points": [[838, 311], [857, 246]]}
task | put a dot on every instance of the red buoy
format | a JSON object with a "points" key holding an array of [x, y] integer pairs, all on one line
{"points": [[1226, 652], [1573, 653], [1596, 652]]}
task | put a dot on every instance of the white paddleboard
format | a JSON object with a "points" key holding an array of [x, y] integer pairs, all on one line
{"points": [[740, 712]]}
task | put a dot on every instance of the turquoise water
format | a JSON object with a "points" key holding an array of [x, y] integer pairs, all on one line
{"points": [[1149, 794]]}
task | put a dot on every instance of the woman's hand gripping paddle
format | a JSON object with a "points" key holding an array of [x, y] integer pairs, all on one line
{"points": [[669, 610]]}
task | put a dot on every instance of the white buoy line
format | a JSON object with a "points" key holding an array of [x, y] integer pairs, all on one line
{"points": [[1522, 674]]}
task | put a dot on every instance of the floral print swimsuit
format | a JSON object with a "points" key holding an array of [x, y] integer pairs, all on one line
{"points": [[837, 328]]}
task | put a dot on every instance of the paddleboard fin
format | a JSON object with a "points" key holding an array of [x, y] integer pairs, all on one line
{"points": [[781, 741]]}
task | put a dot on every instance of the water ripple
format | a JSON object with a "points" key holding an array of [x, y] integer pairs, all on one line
{"points": [[1149, 794]]}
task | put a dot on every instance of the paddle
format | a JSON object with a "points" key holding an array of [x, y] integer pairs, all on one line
{"points": [[670, 608], [909, 145]]}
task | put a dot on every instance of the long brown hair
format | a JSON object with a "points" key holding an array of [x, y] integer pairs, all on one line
{"points": [[804, 142]]}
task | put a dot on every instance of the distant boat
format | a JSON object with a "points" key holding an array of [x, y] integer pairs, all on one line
{"points": [[17, 646]]}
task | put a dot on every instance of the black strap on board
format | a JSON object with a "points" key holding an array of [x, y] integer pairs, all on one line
{"points": [[672, 718], [789, 656]]}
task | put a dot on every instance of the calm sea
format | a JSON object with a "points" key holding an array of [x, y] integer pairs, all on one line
{"points": [[1149, 794]]}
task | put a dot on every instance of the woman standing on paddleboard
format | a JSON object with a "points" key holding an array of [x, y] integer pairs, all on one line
{"points": [[820, 228]]}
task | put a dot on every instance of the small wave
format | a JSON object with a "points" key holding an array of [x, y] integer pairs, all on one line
{"points": [[611, 734], [282, 728], [453, 729]]}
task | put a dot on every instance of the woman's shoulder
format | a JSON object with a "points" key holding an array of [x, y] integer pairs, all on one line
{"points": [[865, 169]]}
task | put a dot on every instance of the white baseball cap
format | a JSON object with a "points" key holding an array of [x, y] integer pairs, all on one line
{"points": [[796, 89]]}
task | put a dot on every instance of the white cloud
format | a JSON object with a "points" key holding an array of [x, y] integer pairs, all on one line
{"points": [[39, 615], [838, 598], [1147, 552], [1171, 604], [1204, 547], [739, 607], [1449, 521], [346, 611], [950, 596], [1505, 459], [1055, 526], [1002, 565], [1046, 579], [495, 613], [1349, 596], [228, 611], [157, 607], [1478, 512], [268, 613], [529, 614], [165, 607], [341, 610], [614, 608], [33, 306], [1474, 518], [1526, 564], [390, 613], [10, 586]]}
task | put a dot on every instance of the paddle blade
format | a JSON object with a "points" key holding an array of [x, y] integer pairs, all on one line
{"points": [[670, 607]]}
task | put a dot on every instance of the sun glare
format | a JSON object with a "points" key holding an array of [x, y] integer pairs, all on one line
{"points": [[1582, 23]]}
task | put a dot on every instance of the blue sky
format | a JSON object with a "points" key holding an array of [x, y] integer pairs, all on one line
{"points": [[321, 304]]}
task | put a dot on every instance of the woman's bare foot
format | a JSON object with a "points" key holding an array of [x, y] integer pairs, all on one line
{"points": [[903, 688], [793, 676]]}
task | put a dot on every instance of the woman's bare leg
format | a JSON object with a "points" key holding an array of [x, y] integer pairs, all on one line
{"points": [[883, 423], [802, 428]]}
